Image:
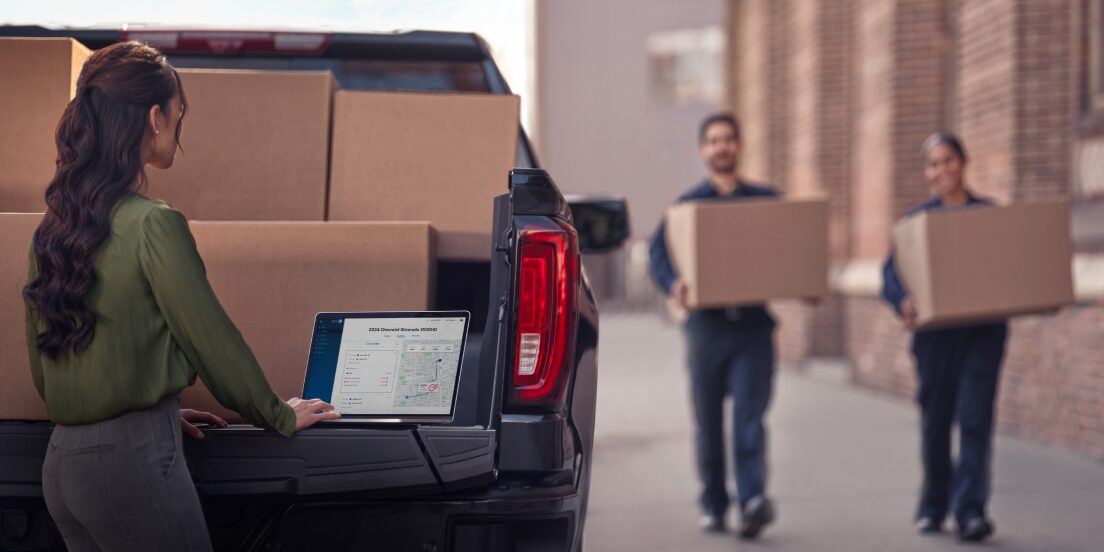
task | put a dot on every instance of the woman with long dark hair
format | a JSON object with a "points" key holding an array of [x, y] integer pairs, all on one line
{"points": [[120, 318], [958, 370]]}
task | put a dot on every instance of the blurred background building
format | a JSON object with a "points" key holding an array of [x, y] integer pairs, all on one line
{"points": [[620, 88], [836, 97]]}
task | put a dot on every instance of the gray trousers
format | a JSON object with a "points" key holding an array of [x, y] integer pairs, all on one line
{"points": [[122, 484]]}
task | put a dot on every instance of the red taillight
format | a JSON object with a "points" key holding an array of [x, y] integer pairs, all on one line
{"points": [[547, 284]]}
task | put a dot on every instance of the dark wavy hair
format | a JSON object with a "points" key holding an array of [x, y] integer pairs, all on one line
{"points": [[99, 143]]}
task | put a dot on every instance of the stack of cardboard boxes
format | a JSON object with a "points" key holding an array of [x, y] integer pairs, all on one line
{"points": [[40, 78], [302, 198]]}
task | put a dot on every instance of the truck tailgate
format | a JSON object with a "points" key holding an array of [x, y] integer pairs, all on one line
{"points": [[243, 460]]}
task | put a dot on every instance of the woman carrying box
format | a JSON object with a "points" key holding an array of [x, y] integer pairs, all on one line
{"points": [[120, 318], [958, 370]]}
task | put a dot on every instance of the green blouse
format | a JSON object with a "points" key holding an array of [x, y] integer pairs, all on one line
{"points": [[159, 326]]}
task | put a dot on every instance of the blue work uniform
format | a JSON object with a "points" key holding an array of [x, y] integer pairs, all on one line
{"points": [[730, 351], [958, 371]]}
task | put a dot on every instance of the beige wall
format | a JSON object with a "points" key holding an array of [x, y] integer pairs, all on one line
{"points": [[600, 127]]}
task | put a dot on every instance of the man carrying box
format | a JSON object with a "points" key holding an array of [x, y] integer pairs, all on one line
{"points": [[730, 351]]}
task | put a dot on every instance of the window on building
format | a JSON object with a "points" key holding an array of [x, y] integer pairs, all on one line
{"points": [[687, 66]]}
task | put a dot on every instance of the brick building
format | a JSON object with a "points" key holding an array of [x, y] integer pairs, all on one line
{"points": [[837, 96]]}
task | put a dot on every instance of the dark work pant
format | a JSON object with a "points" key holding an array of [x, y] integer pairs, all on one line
{"points": [[958, 371], [122, 484], [726, 359]]}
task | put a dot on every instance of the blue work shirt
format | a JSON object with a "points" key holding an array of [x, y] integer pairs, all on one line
{"points": [[893, 290], [663, 270]]}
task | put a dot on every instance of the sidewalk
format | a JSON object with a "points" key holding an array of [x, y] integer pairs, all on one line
{"points": [[844, 463]]}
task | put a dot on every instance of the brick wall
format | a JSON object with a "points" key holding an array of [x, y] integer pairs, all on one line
{"points": [[834, 118], [750, 66], [862, 83], [1052, 389], [872, 181], [806, 330], [795, 169], [985, 36], [801, 173], [1017, 95], [794, 331], [804, 91], [1046, 97], [920, 71], [778, 88], [878, 347]]}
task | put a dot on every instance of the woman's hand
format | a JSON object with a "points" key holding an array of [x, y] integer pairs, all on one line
{"points": [[908, 312], [189, 417], [310, 412]]}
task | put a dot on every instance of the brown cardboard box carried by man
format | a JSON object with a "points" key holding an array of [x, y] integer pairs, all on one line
{"points": [[784, 253]]}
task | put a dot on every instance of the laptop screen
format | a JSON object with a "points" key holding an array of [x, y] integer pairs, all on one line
{"points": [[387, 364]]}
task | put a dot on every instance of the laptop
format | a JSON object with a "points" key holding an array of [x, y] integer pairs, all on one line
{"points": [[387, 367]]}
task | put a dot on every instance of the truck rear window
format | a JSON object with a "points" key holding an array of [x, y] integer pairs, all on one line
{"points": [[361, 74]]}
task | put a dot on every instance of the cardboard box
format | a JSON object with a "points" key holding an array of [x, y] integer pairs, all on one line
{"points": [[39, 78], [18, 398], [424, 156], [272, 278], [978, 263], [742, 252], [255, 146]]}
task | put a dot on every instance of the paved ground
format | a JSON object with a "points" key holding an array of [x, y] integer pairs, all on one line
{"points": [[844, 465]]}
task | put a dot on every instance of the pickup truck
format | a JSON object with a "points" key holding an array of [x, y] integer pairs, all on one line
{"points": [[512, 470]]}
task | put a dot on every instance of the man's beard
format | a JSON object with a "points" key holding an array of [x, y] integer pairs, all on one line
{"points": [[723, 167]]}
